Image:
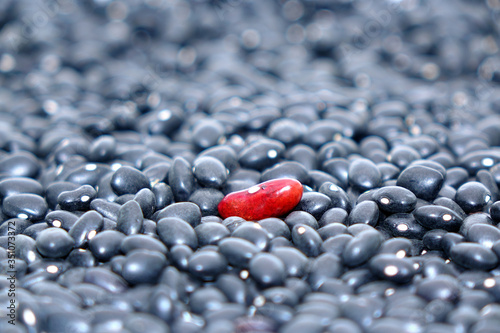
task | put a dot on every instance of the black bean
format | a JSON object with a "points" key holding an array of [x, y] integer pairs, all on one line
{"points": [[303, 154], [432, 239], [207, 133], [332, 230], [392, 268], [423, 181], [291, 169], [20, 164], [483, 234], [438, 217], [472, 219], [323, 267], [233, 288], [207, 199], [89, 174], [295, 261], [314, 203], [209, 172], [301, 217], [449, 241], [275, 227], [61, 219], [361, 248], [441, 287], [333, 215], [474, 256], [207, 265], [237, 251], [86, 227], [173, 231], [143, 266], [106, 244], [163, 194], [336, 244], [364, 174], [261, 154], [398, 246], [33, 230], [147, 200], [307, 240], [25, 206], [206, 298], [451, 204], [78, 199], [366, 212], [395, 199], [186, 211], [267, 270], [54, 189], [338, 168], [128, 180], [254, 233], [106, 208], [472, 197], [54, 243], [211, 233], [130, 219], [105, 279], [18, 185], [81, 258], [319, 178], [495, 211]]}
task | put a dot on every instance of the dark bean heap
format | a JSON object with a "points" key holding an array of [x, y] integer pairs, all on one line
{"points": [[124, 123]]}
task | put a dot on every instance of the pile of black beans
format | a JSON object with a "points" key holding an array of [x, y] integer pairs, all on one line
{"points": [[123, 123]]}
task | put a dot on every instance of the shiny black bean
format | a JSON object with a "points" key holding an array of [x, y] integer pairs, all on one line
{"points": [[301, 217], [495, 211], [333, 215], [181, 179], [261, 154], [163, 194], [364, 174], [307, 240], [237, 251], [20, 164], [173, 231], [106, 244], [25, 206], [147, 200], [438, 217], [186, 211], [338, 168], [398, 246], [472, 219], [54, 243], [483, 234], [18, 185], [451, 204], [179, 256], [106, 208], [336, 244], [314, 203], [473, 256], [319, 178], [143, 266], [449, 241], [81, 258], [456, 176], [395, 199], [267, 270], [61, 219], [78, 199], [275, 227], [472, 197], [443, 287], [207, 199], [366, 212], [392, 268], [295, 261], [207, 265], [325, 266], [361, 248], [303, 154], [105, 279], [254, 233], [290, 169], [86, 227], [332, 230], [225, 154], [54, 189], [127, 180], [423, 181], [211, 233], [209, 171], [130, 219], [432, 239]]}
